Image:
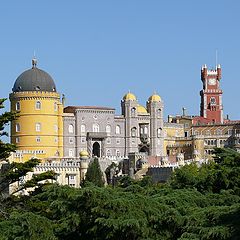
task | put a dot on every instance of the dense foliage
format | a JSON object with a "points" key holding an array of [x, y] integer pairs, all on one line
{"points": [[190, 206]]}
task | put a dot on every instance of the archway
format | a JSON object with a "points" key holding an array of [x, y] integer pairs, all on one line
{"points": [[96, 149]]}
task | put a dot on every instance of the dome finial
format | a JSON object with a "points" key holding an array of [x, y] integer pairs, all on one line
{"points": [[34, 60]]}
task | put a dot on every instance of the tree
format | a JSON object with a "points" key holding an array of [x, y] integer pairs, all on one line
{"points": [[94, 174], [12, 172], [5, 118]]}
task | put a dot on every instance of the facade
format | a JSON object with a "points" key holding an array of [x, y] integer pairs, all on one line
{"points": [[102, 133]]}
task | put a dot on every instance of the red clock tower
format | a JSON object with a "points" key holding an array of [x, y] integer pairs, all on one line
{"points": [[211, 95]]}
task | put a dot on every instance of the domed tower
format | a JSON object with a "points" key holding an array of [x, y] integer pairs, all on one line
{"points": [[130, 108], [155, 108], [38, 129]]}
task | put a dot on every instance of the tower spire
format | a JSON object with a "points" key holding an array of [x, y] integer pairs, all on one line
{"points": [[34, 60]]}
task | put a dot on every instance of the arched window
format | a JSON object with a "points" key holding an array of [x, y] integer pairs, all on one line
{"points": [[159, 132], [17, 106], [95, 127], [55, 127], [145, 130], [108, 129], [108, 152], [83, 128], [70, 152], [133, 132], [55, 107], [38, 105], [213, 100], [38, 127], [18, 127], [70, 128], [118, 129], [117, 153], [133, 111]]}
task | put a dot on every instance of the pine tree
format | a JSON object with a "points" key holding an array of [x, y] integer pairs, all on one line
{"points": [[12, 172], [5, 118], [94, 174]]}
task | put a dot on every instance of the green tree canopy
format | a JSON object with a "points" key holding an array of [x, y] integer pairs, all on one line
{"points": [[94, 174]]}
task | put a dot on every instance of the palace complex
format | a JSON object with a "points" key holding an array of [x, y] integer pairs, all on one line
{"points": [[47, 129]]}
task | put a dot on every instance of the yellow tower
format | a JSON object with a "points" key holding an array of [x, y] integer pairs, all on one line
{"points": [[38, 130]]}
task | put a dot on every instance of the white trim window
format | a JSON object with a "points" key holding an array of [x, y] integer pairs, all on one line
{"points": [[38, 105], [70, 128], [18, 128], [70, 152], [55, 107], [108, 129], [83, 128], [38, 127], [17, 106], [95, 127], [118, 129]]}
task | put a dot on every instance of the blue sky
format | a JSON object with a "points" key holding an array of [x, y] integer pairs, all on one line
{"points": [[98, 50]]}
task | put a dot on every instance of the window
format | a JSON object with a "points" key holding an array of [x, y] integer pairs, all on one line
{"points": [[70, 128], [83, 128], [70, 153], [219, 132], [196, 132], [213, 101], [38, 105], [95, 127], [230, 131], [55, 107], [108, 129], [133, 132], [108, 140], [83, 139], [208, 132], [38, 139], [118, 141], [17, 139], [159, 131], [145, 130], [17, 106], [109, 153], [71, 140], [18, 127], [133, 112], [118, 129], [38, 127], [117, 153], [55, 127]]}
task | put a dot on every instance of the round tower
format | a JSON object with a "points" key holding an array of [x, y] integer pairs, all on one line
{"points": [[38, 129]]}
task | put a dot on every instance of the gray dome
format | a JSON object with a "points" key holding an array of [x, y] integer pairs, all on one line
{"points": [[34, 79]]}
